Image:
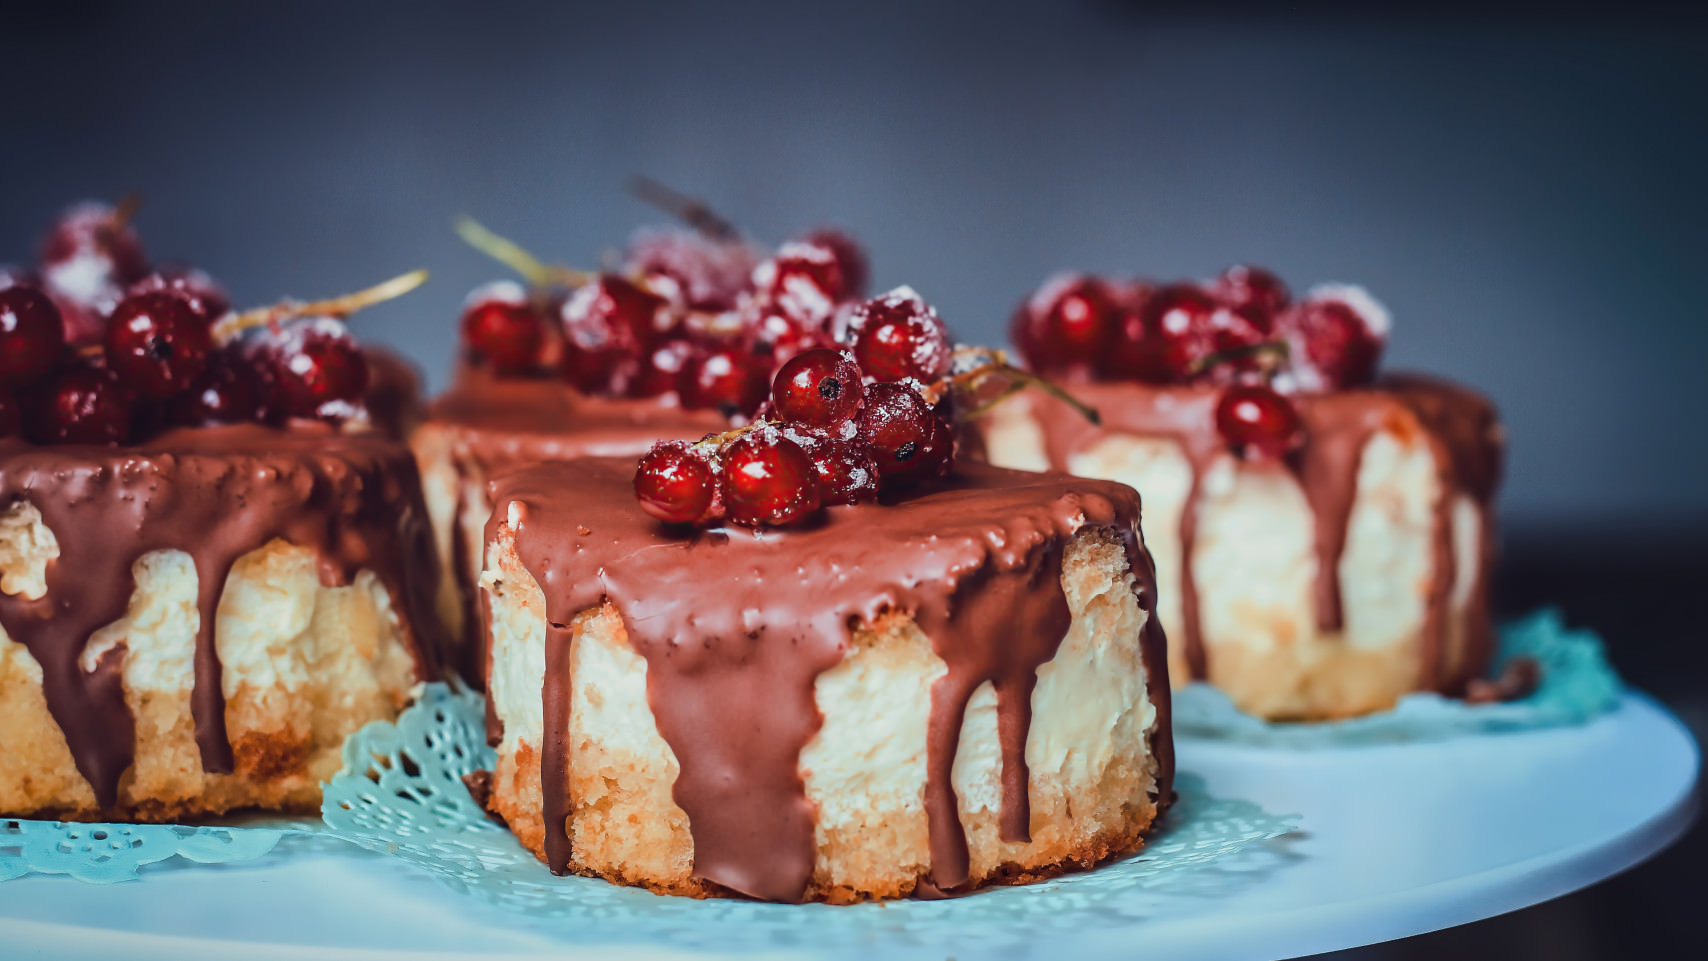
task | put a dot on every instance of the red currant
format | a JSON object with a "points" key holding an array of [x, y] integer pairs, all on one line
{"points": [[821, 388], [804, 280], [1336, 337], [11, 418], [675, 483], [725, 379], [319, 371], [1257, 422], [691, 269], [500, 326], [1068, 323], [662, 370], [844, 467], [767, 479], [851, 260], [158, 343], [608, 326], [204, 294], [32, 335], [898, 336], [92, 230], [909, 441], [1252, 291], [80, 405], [227, 393]]}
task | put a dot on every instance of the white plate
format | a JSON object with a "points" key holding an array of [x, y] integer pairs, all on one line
{"points": [[1395, 841]]}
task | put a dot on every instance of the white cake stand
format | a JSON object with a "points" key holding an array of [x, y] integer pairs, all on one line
{"points": [[1394, 841]]}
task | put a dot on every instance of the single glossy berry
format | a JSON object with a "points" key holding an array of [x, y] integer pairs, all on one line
{"points": [[32, 335], [11, 415], [851, 260], [228, 392], [158, 343], [1252, 291], [675, 483], [781, 335], [501, 328], [93, 233], [820, 388], [1256, 422], [844, 467], [767, 480], [203, 293], [724, 379], [803, 280], [898, 336], [690, 269], [79, 405], [608, 326], [1069, 323], [319, 370], [661, 369], [1335, 338], [909, 441]]}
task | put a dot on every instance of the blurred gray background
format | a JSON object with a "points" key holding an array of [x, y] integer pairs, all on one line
{"points": [[1521, 183]]}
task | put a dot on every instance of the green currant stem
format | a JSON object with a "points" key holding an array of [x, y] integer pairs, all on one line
{"points": [[511, 254], [1276, 350], [692, 211], [995, 364], [231, 325]]}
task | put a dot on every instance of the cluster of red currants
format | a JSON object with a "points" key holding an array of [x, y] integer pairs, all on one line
{"points": [[98, 348], [701, 317], [840, 424], [1242, 330]]}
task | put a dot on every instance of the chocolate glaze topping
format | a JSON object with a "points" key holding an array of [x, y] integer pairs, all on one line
{"points": [[215, 493], [500, 423], [393, 397], [1461, 427], [736, 625]]}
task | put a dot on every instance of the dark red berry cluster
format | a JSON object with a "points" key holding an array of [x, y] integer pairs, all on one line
{"points": [[703, 319], [842, 423], [1243, 330], [97, 347]]}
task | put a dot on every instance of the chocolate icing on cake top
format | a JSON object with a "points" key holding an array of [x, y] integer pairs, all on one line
{"points": [[1460, 426], [215, 493], [736, 625]]}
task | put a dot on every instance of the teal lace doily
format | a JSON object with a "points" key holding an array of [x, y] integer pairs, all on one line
{"points": [[1577, 684], [108, 853], [401, 793]]}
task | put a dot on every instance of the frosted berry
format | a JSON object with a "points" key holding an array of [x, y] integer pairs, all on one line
{"points": [[1335, 336], [608, 326], [158, 343], [675, 483], [1068, 323], [767, 480], [203, 293], [1252, 291], [851, 260], [909, 441], [804, 280], [898, 336], [1256, 422], [820, 388], [228, 392], [32, 335], [501, 328], [725, 379], [844, 467], [319, 370], [691, 269], [79, 405]]}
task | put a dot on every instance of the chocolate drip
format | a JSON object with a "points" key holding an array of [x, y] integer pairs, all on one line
{"points": [[1460, 426], [737, 625], [215, 494], [393, 397], [554, 777]]}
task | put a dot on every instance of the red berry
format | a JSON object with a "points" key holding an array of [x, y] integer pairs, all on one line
{"points": [[32, 335], [804, 280], [204, 294], [227, 393], [1335, 338], [1252, 291], [767, 479], [844, 467], [782, 335], [691, 269], [725, 379], [675, 483], [851, 260], [319, 371], [88, 259], [500, 326], [11, 417], [608, 326], [909, 441], [158, 343], [1179, 333], [898, 336], [661, 369], [820, 388], [1068, 323], [80, 405], [1257, 422]]}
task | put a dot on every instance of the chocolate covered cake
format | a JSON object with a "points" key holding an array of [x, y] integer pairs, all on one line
{"points": [[1324, 534], [212, 568]]}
